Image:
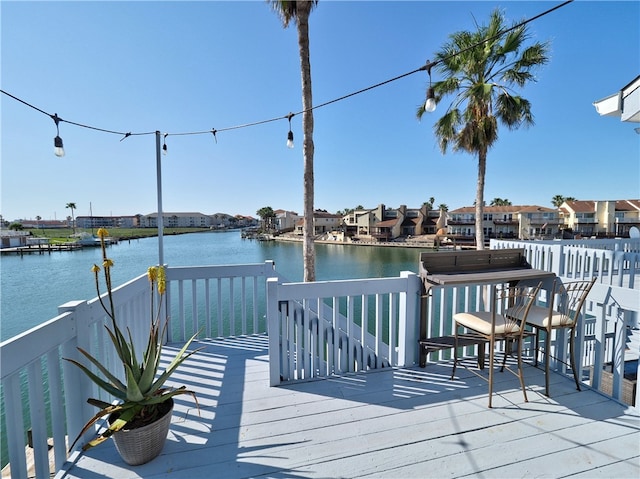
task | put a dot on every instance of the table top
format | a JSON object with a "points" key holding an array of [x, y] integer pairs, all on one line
{"points": [[488, 277]]}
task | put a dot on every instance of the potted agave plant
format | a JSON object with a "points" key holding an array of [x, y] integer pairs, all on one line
{"points": [[139, 419]]}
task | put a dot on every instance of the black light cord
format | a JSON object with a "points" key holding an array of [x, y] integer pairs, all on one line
{"points": [[425, 67]]}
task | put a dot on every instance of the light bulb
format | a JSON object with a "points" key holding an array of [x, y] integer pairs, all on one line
{"points": [[58, 147], [430, 104], [164, 149], [290, 139]]}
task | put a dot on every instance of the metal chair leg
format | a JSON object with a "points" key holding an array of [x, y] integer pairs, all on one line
{"points": [[521, 372], [455, 350], [572, 354], [547, 350], [492, 346]]}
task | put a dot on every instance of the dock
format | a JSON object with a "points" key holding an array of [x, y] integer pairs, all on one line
{"points": [[41, 248]]}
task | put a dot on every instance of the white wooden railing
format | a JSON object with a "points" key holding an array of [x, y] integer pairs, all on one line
{"points": [[336, 327], [318, 330], [45, 395]]}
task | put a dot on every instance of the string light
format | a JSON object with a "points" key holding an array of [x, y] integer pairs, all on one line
{"points": [[430, 104], [290, 134], [58, 148], [164, 144]]}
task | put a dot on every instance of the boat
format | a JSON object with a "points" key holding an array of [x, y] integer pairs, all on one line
{"points": [[86, 239]]}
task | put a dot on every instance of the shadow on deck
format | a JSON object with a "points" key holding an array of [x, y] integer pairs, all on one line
{"points": [[408, 422]]}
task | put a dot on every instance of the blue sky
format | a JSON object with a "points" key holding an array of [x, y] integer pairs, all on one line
{"points": [[182, 67]]}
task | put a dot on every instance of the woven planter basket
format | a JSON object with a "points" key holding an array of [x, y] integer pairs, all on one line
{"points": [[141, 445]]}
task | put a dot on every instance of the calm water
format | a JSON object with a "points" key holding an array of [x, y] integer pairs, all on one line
{"points": [[33, 286]]}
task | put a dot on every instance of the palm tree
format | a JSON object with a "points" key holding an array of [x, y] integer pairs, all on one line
{"points": [[429, 204], [482, 69], [500, 202], [72, 206], [298, 12], [557, 200]]}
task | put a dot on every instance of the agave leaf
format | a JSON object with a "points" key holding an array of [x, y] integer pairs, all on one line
{"points": [[120, 344], [171, 393], [126, 412], [151, 363], [101, 383], [135, 367], [133, 390], [103, 412], [99, 403], [113, 380], [177, 361]]}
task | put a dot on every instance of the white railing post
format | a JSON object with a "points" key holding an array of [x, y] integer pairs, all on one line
{"points": [[78, 411], [409, 321], [273, 328], [600, 333]]}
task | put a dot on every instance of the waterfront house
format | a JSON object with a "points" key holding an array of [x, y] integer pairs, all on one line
{"points": [[349, 401], [323, 222], [600, 218], [512, 221], [285, 221], [386, 224]]}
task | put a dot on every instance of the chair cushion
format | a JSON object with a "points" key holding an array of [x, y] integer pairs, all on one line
{"points": [[539, 317], [481, 322]]}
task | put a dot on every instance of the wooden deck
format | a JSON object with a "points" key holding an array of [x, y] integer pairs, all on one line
{"points": [[396, 423]]}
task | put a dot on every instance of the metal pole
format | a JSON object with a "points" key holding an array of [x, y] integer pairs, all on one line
{"points": [[159, 189]]}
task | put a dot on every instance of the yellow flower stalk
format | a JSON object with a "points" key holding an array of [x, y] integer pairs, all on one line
{"points": [[139, 386], [162, 280], [152, 273]]}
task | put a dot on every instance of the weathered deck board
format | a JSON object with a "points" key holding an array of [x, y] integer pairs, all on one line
{"points": [[391, 423]]}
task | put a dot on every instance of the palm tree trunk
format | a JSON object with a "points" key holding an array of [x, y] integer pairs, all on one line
{"points": [[308, 248], [482, 167]]}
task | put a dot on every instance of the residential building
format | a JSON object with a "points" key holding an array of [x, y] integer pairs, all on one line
{"points": [[223, 221], [178, 220], [386, 224], [523, 222], [600, 218], [48, 224], [95, 222], [323, 222], [285, 221], [359, 222]]}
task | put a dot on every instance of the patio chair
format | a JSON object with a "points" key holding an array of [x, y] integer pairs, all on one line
{"points": [[562, 312], [509, 307]]}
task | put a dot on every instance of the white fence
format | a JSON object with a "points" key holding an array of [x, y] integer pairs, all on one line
{"points": [[316, 329], [45, 395], [336, 327]]}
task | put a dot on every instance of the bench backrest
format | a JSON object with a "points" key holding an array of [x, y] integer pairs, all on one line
{"points": [[472, 261]]}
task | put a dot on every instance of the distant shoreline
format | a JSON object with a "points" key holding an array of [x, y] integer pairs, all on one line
{"points": [[413, 243]]}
